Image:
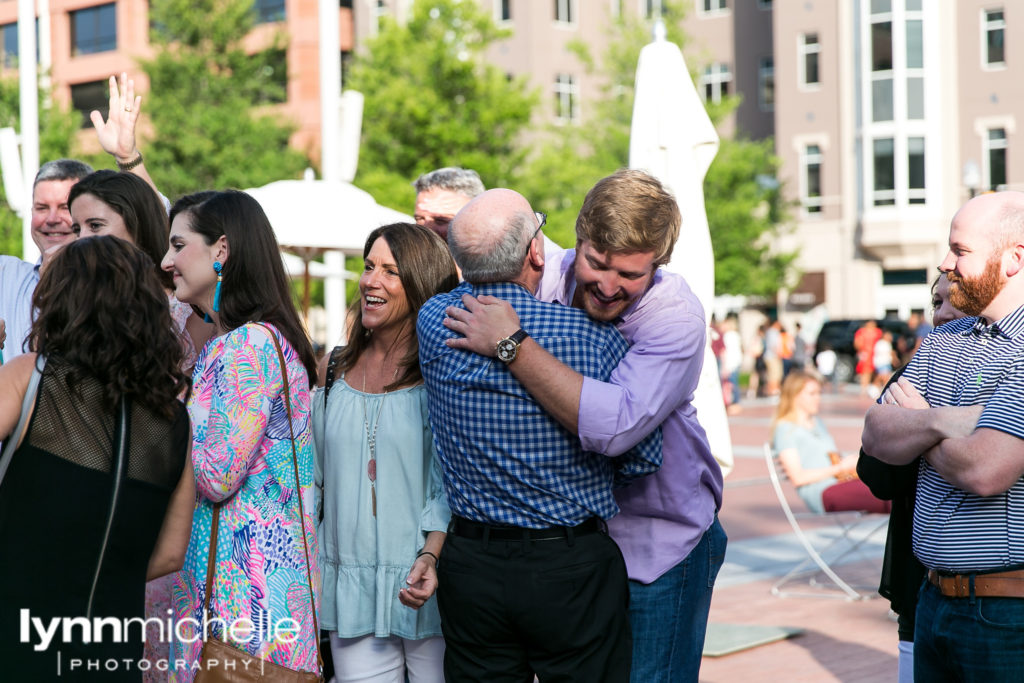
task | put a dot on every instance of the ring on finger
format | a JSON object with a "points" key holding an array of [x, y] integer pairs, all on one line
{"points": [[128, 107]]}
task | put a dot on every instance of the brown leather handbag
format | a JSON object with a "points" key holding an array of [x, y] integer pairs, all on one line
{"points": [[223, 663]]}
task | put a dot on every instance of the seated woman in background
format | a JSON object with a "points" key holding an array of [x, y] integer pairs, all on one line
{"points": [[808, 454], [99, 492], [385, 513]]}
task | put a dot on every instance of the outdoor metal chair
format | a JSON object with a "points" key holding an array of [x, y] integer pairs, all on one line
{"points": [[815, 565]]}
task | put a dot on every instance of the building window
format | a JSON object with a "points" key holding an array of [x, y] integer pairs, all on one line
{"points": [[94, 29], [764, 4], [88, 96], [713, 5], [653, 8], [995, 157], [9, 36], [566, 99], [715, 82], [766, 84], [565, 11], [503, 10], [915, 170], [885, 172], [993, 28], [380, 9], [810, 51], [268, 11], [811, 163]]}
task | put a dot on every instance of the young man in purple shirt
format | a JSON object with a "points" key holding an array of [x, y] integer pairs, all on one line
{"points": [[668, 527]]}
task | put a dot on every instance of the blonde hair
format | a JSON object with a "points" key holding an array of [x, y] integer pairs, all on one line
{"points": [[630, 211], [794, 383]]}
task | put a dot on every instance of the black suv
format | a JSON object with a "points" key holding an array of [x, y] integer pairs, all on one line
{"points": [[838, 334]]}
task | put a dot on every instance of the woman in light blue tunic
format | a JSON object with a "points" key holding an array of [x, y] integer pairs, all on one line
{"points": [[384, 510]]}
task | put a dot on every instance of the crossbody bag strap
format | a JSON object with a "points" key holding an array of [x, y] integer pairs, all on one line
{"points": [[14, 440], [211, 565], [332, 368], [298, 491]]}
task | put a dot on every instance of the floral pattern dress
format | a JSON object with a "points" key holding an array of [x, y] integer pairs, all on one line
{"points": [[242, 457]]}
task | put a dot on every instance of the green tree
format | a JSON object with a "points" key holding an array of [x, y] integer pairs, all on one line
{"points": [[573, 158], [208, 100], [57, 128], [431, 101]]}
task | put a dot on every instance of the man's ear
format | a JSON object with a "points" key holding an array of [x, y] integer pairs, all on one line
{"points": [[222, 249], [536, 253]]}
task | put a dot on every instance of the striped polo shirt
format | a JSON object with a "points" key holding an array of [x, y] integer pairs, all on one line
{"points": [[968, 362]]}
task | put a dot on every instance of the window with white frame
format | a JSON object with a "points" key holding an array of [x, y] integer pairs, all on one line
{"points": [[715, 82], [566, 99], [565, 11], [712, 5], [380, 9], [766, 84], [810, 54], [993, 28], [93, 29], [995, 157], [653, 8], [503, 10], [884, 166], [810, 162], [915, 170]]}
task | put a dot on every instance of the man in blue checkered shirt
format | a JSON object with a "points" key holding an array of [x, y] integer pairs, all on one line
{"points": [[528, 582]]}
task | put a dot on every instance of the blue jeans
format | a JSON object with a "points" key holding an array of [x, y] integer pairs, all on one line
{"points": [[670, 615], [968, 639]]}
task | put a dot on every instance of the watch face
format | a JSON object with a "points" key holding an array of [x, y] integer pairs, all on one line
{"points": [[507, 350]]}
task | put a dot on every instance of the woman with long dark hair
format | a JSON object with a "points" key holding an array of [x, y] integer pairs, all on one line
{"points": [[123, 205], [224, 260], [99, 492], [385, 513]]}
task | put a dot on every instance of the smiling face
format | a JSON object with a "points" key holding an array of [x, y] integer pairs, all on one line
{"points": [[384, 303], [435, 209], [942, 310], [608, 283], [189, 260], [51, 219], [91, 217]]}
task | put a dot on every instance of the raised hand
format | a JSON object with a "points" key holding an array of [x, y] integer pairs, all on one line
{"points": [[117, 134]]}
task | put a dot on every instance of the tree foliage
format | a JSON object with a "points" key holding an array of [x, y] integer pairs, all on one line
{"points": [[208, 100], [57, 128], [431, 101]]}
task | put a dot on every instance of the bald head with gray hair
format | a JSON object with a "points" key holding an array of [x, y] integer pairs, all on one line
{"points": [[490, 237]]}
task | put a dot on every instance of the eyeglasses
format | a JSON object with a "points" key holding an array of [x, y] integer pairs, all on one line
{"points": [[542, 220]]}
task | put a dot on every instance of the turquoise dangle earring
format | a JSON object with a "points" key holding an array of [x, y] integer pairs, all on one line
{"points": [[216, 293]]}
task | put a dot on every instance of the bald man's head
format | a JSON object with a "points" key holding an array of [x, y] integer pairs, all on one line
{"points": [[490, 237]]}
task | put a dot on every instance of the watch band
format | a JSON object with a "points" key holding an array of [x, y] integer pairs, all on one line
{"points": [[519, 335]]}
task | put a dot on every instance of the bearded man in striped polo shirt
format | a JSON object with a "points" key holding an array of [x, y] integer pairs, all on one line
{"points": [[958, 407]]}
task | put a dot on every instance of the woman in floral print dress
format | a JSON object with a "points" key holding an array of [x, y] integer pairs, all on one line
{"points": [[242, 451]]}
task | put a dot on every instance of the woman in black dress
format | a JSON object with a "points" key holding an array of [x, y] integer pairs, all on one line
{"points": [[98, 493]]}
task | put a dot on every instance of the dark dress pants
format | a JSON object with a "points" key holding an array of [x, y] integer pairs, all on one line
{"points": [[556, 608]]}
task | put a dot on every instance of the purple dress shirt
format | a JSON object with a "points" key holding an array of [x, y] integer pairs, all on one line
{"points": [[663, 515]]}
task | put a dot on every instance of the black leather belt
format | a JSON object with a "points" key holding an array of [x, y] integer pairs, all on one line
{"points": [[466, 528]]}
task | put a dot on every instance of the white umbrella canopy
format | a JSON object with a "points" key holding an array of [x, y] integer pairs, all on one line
{"points": [[322, 214], [673, 139]]}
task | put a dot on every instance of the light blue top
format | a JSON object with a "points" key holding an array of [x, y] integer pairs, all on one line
{"points": [[365, 559], [813, 446], [18, 281]]}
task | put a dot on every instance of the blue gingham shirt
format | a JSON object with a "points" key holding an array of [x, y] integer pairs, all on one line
{"points": [[506, 461], [962, 363], [18, 280]]}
